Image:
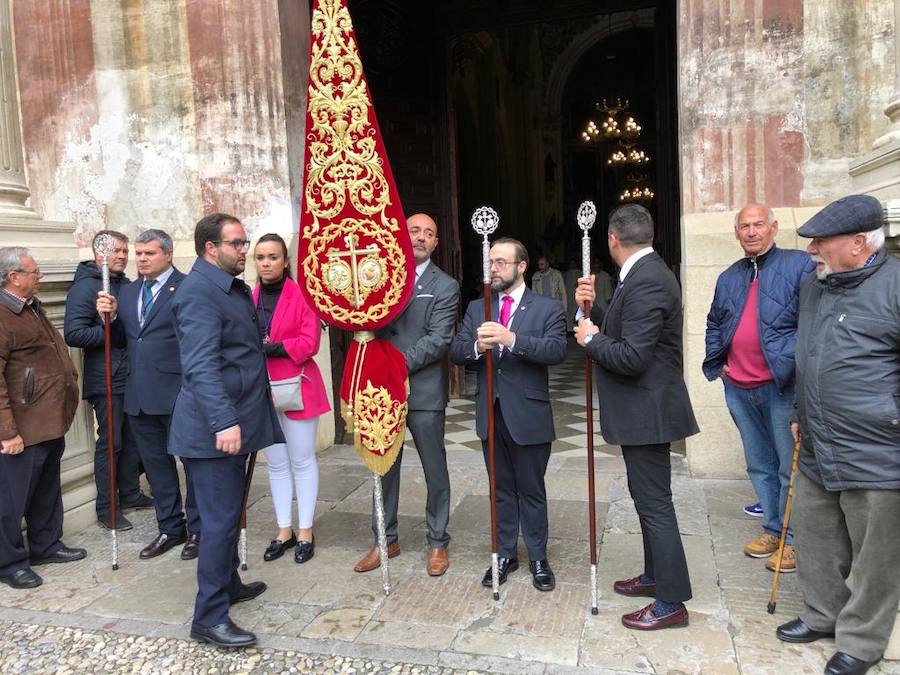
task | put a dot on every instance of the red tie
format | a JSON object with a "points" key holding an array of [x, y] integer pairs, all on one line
{"points": [[506, 310]]}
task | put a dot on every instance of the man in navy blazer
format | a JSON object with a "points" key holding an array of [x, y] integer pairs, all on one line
{"points": [[528, 334], [144, 324], [636, 344], [223, 412]]}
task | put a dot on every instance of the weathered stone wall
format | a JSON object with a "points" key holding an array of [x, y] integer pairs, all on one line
{"points": [[777, 98]]}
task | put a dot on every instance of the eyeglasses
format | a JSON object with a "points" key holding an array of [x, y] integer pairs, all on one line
{"points": [[502, 264], [237, 244], [36, 271]]}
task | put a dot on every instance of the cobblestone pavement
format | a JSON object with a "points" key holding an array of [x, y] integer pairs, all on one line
{"points": [[322, 617]]}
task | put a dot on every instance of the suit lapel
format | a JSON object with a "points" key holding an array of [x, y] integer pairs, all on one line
{"points": [[162, 298]]}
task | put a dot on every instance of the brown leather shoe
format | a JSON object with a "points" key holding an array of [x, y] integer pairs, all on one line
{"points": [[634, 586], [372, 559], [192, 547], [161, 544], [645, 619], [438, 562]]}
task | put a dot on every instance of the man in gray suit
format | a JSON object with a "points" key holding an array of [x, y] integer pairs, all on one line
{"points": [[423, 333]]}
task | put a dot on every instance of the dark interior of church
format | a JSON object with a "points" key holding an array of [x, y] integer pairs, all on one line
{"points": [[502, 103]]}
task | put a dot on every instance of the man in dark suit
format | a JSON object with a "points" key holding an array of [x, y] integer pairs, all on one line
{"points": [[144, 325], [527, 335], [223, 411], [83, 328], [644, 405], [423, 333]]}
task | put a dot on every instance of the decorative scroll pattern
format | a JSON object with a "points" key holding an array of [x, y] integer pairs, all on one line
{"points": [[343, 160]]}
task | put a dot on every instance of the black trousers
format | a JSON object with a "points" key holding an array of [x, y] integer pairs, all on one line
{"points": [[151, 435], [649, 469], [427, 429], [30, 489], [127, 460], [521, 492], [218, 484]]}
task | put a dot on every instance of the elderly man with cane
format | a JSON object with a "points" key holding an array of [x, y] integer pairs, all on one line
{"points": [[847, 512]]}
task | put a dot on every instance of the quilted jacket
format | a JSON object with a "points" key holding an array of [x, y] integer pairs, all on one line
{"points": [[780, 272]]}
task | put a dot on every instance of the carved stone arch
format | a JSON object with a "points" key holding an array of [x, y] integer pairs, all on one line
{"points": [[583, 42]]}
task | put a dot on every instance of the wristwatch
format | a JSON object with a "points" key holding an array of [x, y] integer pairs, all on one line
{"points": [[588, 338]]}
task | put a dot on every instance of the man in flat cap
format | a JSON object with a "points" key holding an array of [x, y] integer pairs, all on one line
{"points": [[848, 419]]}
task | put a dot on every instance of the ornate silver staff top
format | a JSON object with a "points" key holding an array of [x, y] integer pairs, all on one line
{"points": [[104, 245], [484, 222], [587, 214]]}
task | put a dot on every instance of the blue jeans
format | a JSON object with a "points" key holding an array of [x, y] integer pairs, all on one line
{"points": [[763, 418]]}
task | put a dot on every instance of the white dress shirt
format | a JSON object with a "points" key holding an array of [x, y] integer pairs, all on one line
{"points": [[516, 295], [157, 287]]}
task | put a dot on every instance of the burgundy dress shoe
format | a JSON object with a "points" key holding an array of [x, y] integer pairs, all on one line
{"points": [[191, 548], [634, 586], [161, 544], [645, 619]]}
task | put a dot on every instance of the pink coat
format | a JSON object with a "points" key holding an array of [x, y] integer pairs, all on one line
{"points": [[296, 326]]}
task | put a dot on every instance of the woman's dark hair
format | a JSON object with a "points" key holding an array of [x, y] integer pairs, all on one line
{"points": [[277, 239]]}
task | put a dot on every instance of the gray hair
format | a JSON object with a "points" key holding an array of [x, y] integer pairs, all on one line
{"points": [[770, 214], [11, 261], [875, 238], [165, 241], [632, 224]]}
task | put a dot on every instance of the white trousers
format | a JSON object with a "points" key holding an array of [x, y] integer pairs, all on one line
{"points": [[294, 464]]}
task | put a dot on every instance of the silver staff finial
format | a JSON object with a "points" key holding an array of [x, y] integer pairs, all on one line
{"points": [[484, 222], [587, 214], [104, 245]]}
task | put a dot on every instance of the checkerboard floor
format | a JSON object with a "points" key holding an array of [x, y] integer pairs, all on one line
{"points": [[567, 398]]}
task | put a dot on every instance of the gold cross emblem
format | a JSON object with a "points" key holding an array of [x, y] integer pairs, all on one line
{"points": [[365, 273]]}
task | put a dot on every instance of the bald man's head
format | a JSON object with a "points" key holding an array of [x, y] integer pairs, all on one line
{"points": [[423, 235]]}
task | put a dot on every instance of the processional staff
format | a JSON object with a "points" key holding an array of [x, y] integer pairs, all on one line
{"points": [[104, 245], [242, 535], [587, 214], [484, 222]]}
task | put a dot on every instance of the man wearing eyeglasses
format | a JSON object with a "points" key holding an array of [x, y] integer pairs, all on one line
{"points": [[527, 334], [38, 399], [83, 328], [222, 413]]}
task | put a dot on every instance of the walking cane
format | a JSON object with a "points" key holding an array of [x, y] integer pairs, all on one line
{"points": [[242, 536], [484, 222], [784, 528], [587, 214], [104, 246]]}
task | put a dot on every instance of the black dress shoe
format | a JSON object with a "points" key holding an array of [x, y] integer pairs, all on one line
{"points": [[161, 544], [541, 575], [305, 550], [797, 631], [277, 548], [62, 555], [844, 664], [224, 635], [139, 503], [22, 579], [191, 548], [248, 592], [505, 567], [122, 523]]}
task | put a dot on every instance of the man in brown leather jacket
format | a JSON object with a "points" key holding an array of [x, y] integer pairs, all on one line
{"points": [[38, 399]]}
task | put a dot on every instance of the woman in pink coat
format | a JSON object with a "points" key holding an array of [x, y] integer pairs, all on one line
{"points": [[290, 332]]}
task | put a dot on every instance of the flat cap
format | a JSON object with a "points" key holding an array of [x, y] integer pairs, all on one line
{"points": [[848, 215]]}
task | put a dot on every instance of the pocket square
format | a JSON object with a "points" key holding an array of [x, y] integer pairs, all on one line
{"points": [[425, 295]]}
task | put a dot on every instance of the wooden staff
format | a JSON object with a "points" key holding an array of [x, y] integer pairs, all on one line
{"points": [[245, 498], [587, 214], [484, 222], [784, 528], [104, 246]]}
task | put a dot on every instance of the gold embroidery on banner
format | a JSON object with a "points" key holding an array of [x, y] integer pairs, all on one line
{"points": [[343, 159], [339, 277], [379, 426]]}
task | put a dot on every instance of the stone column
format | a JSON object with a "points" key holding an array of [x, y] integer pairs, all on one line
{"points": [[13, 185], [893, 107]]}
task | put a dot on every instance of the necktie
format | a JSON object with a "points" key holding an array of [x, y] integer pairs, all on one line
{"points": [[147, 298], [506, 310], [617, 289]]}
